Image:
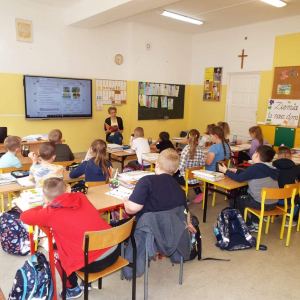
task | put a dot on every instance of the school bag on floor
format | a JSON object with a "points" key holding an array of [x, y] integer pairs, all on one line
{"points": [[232, 232], [33, 280], [14, 233], [196, 246]]}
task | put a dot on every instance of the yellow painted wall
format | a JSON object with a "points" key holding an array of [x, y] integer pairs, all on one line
{"points": [[79, 134]]}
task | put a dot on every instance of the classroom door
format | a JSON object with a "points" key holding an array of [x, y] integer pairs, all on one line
{"points": [[241, 104]]}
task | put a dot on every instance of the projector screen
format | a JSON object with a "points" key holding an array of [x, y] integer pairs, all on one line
{"points": [[57, 98]]}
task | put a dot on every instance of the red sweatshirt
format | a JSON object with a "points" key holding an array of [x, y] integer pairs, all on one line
{"points": [[69, 216]]}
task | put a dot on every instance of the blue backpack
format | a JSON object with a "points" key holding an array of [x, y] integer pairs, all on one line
{"points": [[14, 233], [33, 280]]}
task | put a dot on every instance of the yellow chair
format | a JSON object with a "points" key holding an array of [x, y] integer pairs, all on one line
{"points": [[97, 240], [273, 194], [11, 194], [226, 163], [189, 175], [64, 163]]}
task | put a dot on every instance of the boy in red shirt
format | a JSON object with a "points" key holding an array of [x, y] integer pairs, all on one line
{"points": [[70, 215]]}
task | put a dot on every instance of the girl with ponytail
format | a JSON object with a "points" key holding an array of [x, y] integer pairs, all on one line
{"points": [[191, 157], [96, 168], [219, 151]]}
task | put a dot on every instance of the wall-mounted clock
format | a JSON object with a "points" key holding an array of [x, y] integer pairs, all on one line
{"points": [[119, 59]]}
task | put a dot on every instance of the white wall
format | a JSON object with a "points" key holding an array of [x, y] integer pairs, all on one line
{"points": [[59, 50], [221, 48]]}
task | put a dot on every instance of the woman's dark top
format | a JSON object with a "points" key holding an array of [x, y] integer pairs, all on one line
{"points": [[108, 121]]}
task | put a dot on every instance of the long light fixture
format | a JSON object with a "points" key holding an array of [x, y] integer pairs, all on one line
{"points": [[277, 3], [181, 18]]}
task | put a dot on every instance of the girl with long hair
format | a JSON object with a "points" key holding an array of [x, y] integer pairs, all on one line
{"points": [[225, 127], [206, 136]]}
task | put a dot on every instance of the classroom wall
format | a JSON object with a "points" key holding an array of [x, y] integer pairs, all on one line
{"points": [[59, 50]]}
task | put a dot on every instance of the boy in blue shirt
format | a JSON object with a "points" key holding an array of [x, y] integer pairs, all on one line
{"points": [[9, 159]]}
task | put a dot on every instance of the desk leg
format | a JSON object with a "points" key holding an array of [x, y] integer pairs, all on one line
{"points": [[109, 156], [51, 261], [32, 248], [142, 165], [205, 203], [122, 164]]}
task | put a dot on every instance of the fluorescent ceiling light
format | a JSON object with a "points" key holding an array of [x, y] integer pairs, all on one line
{"points": [[181, 18], [277, 3]]}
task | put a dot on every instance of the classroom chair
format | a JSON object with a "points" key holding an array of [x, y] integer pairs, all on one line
{"points": [[64, 163], [226, 163], [11, 194], [273, 194], [97, 240]]}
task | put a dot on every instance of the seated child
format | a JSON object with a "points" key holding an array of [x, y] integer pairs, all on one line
{"points": [[158, 192], [70, 215], [9, 159], [63, 151], [140, 145], [226, 129], [217, 152], [45, 169], [206, 136], [289, 173], [257, 140], [191, 157], [96, 168], [260, 175], [163, 142]]}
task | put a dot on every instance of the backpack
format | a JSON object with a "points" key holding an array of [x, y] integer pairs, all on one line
{"points": [[196, 246], [79, 187], [131, 167], [33, 280], [232, 232], [14, 233]]}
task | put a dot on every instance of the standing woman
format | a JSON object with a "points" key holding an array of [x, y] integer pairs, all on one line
{"points": [[114, 136]]}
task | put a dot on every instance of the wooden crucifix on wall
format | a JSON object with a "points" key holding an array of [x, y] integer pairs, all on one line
{"points": [[242, 56]]}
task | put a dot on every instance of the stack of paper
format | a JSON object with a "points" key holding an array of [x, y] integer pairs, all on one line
{"points": [[114, 147], [134, 177], [35, 137], [32, 198], [7, 179], [296, 150], [209, 175], [178, 138], [153, 157]]}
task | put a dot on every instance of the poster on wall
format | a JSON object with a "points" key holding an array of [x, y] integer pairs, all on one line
{"points": [[111, 91], [283, 112], [212, 84]]}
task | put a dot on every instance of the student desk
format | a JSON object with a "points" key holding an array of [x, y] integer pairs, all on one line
{"points": [[98, 198], [121, 155], [226, 183]]}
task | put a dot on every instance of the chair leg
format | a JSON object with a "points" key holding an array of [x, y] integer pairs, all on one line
{"points": [[64, 287], [261, 219], [100, 283], [203, 201], [272, 219], [10, 200], [282, 227], [214, 198], [181, 270], [146, 276], [122, 254], [245, 214], [267, 226], [288, 238], [2, 204]]}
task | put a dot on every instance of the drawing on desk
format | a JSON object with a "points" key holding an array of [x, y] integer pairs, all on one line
{"points": [[120, 193]]}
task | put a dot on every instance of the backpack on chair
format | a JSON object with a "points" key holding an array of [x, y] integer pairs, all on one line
{"points": [[196, 246]]}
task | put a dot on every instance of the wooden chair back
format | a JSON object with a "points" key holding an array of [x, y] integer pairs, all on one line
{"points": [[107, 238], [189, 174], [276, 194], [208, 144], [64, 163], [9, 170], [225, 162], [294, 186], [94, 183]]}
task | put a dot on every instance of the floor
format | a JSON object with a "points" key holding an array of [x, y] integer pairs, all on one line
{"points": [[250, 274]]}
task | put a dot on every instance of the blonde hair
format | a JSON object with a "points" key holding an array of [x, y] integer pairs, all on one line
{"points": [[284, 152], [99, 148], [193, 138], [225, 127], [11, 143], [168, 161], [112, 108], [47, 150], [55, 136], [256, 130], [139, 132], [53, 187]]}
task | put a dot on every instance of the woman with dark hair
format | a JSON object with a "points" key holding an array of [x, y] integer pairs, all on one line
{"points": [[113, 127]]}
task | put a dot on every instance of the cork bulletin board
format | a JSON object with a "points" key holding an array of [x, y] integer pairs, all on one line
{"points": [[286, 84], [212, 84]]}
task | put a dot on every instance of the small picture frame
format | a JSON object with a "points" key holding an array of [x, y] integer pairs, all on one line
{"points": [[24, 31]]}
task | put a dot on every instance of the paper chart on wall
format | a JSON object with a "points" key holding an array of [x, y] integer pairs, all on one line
{"points": [[99, 105], [98, 95], [111, 91]]}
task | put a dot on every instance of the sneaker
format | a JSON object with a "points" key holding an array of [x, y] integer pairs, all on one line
{"points": [[251, 228], [72, 293], [287, 223], [266, 219], [198, 199], [210, 192], [89, 286]]}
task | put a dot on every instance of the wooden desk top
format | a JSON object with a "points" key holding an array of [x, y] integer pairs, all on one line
{"points": [[121, 153], [28, 143], [15, 187], [225, 183], [101, 201]]}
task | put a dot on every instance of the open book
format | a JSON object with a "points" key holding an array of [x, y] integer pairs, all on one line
{"points": [[113, 128]]}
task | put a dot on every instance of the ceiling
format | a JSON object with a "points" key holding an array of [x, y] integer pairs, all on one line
{"points": [[216, 14]]}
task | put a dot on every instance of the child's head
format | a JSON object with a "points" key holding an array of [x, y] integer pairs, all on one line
{"points": [[164, 136], [98, 149], [12, 143], [284, 152], [256, 133], [52, 188], [217, 133], [139, 132], [209, 128], [225, 127], [167, 162], [263, 154], [48, 152], [55, 136], [193, 138]]}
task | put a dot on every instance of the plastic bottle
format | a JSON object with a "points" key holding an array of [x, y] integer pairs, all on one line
{"points": [[235, 139], [216, 231]]}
